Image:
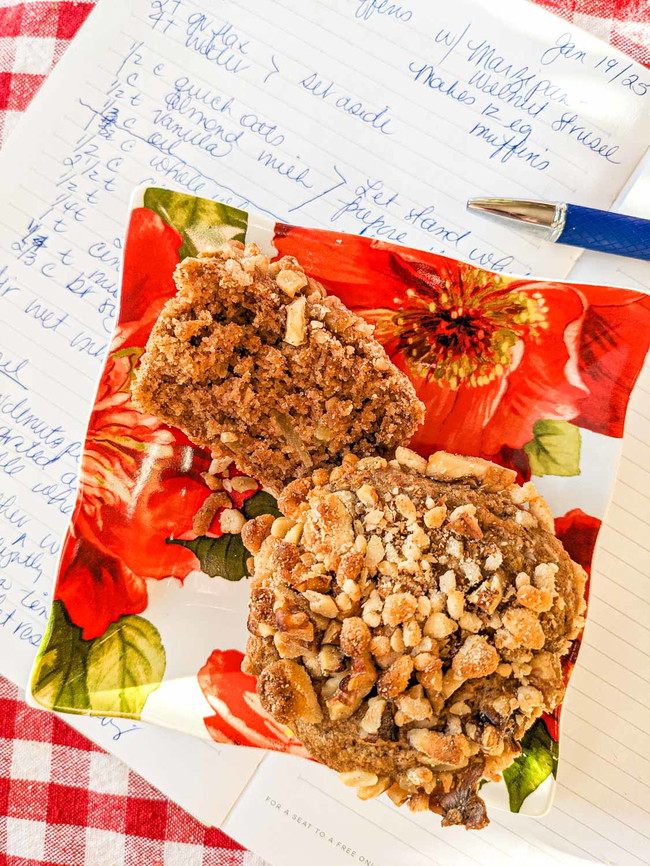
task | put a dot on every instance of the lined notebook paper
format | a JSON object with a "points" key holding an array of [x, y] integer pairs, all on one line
{"points": [[374, 118]]}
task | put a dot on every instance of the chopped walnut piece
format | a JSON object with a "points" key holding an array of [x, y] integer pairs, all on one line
{"points": [[493, 561], [372, 719], [412, 633], [439, 626], [393, 682], [291, 281], [232, 521], [330, 659], [488, 595], [534, 599], [355, 637], [529, 699], [398, 795], [417, 777], [435, 516], [451, 467], [242, 483], [374, 552], [475, 658], [349, 567], [544, 577], [455, 604], [255, 531], [410, 460], [462, 521], [418, 802], [398, 607], [368, 495], [358, 778], [287, 688], [451, 750], [369, 791], [428, 669], [352, 689], [322, 604], [332, 633], [380, 645], [281, 525], [413, 705], [207, 512], [523, 629], [406, 507]]}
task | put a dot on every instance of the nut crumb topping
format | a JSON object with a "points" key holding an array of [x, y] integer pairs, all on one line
{"points": [[427, 617]]}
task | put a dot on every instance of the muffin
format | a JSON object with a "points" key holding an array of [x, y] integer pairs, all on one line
{"points": [[407, 621], [254, 361]]}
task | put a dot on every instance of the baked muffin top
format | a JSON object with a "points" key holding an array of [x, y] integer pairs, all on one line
{"points": [[407, 621]]}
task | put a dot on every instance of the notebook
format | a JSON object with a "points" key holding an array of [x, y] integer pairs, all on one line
{"points": [[370, 117]]}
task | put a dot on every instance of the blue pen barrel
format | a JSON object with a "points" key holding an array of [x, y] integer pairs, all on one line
{"points": [[606, 232]]}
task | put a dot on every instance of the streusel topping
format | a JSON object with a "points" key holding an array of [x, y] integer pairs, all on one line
{"points": [[407, 620]]}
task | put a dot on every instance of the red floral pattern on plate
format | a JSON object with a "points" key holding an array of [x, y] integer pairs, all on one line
{"points": [[489, 355], [130, 460], [238, 714]]}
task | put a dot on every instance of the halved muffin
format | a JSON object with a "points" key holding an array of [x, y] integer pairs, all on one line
{"points": [[255, 361]]}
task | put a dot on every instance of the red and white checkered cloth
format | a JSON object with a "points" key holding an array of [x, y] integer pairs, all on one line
{"points": [[63, 801]]}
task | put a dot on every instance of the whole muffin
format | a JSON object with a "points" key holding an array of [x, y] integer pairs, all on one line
{"points": [[407, 621]]}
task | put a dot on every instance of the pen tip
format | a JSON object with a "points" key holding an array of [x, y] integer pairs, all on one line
{"points": [[492, 205]]}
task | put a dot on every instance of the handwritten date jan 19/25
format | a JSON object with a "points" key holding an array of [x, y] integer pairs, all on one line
{"points": [[615, 69]]}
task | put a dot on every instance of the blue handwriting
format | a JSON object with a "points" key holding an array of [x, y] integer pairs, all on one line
{"points": [[368, 199], [379, 119], [425, 73], [12, 369], [59, 495], [297, 174], [423, 219], [568, 123], [367, 8], [562, 47], [12, 512], [222, 46], [505, 146]]}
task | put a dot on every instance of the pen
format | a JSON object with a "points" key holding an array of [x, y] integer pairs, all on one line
{"points": [[599, 230]]}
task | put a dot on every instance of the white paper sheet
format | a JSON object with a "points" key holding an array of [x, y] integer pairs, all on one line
{"points": [[365, 117]]}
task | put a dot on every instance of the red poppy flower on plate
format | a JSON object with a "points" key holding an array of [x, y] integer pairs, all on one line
{"points": [[613, 343], [489, 355], [138, 488], [151, 255], [238, 714], [96, 588], [578, 533]]}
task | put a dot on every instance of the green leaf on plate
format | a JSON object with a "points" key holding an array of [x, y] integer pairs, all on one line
{"points": [[125, 665], [536, 762], [555, 448], [219, 557], [203, 224], [59, 675], [261, 503]]}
